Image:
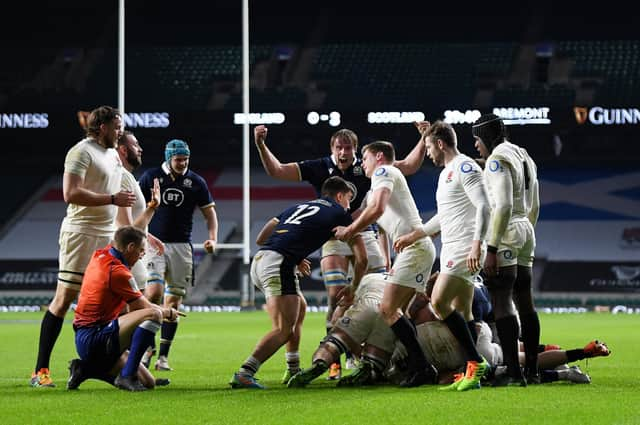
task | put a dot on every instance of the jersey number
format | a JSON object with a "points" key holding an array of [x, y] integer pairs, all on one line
{"points": [[302, 211]]}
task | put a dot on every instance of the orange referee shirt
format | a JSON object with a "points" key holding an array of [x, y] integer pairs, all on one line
{"points": [[106, 287]]}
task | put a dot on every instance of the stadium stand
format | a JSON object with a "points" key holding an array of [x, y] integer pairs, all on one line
{"points": [[191, 67]]}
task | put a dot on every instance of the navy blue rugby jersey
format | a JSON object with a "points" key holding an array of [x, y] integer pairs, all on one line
{"points": [[173, 220], [305, 227], [316, 171]]}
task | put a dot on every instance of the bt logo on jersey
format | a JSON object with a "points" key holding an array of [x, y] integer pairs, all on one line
{"points": [[173, 197]]}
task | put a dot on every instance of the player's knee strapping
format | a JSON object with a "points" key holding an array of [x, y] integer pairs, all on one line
{"points": [[175, 291], [335, 277], [379, 364], [154, 279], [334, 344]]}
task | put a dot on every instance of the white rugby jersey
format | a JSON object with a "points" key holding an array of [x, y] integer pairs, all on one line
{"points": [[102, 172], [401, 215], [460, 189], [509, 161], [371, 286], [130, 183], [512, 182]]}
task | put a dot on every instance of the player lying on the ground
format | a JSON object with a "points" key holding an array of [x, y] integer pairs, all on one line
{"points": [[444, 352], [362, 330], [360, 324]]}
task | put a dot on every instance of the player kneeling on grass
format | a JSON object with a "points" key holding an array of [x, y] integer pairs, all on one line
{"points": [[285, 243], [102, 337]]}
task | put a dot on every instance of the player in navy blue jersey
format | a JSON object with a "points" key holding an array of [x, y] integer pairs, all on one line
{"points": [[285, 243], [181, 191], [341, 162]]}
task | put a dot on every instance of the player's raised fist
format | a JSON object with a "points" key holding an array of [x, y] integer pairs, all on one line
{"points": [[422, 126], [260, 133]]}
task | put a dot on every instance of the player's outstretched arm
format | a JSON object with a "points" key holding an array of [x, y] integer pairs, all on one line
{"points": [[272, 165], [413, 161], [143, 220], [368, 216]]}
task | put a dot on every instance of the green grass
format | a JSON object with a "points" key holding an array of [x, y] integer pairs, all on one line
{"points": [[210, 347]]}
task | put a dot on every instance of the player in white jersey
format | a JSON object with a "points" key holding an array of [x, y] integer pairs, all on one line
{"points": [[336, 255], [511, 178], [462, 218], [362, 331], [92, 187], [391, 205], [130, 153]]}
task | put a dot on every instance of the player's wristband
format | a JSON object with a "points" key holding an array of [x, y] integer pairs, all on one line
{"points": [[492, 249], [113, 199]]}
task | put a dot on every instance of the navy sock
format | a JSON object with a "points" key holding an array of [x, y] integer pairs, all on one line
{"points": [[508, 334], [166, 337], [49, 331], [530, 337], [575, 355], [141, 339], [407, 335], [458, 327]]}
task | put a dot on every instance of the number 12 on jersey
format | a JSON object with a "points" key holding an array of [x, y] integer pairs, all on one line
{"points": [[302, 211]]}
